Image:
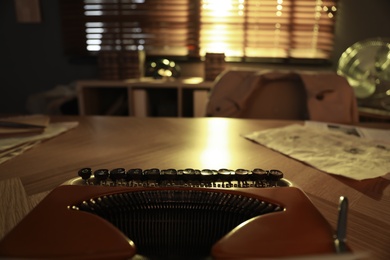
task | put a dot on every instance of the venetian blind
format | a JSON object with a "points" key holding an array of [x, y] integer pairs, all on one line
{"points": [[268, 28], [239, 28], [160, 27]]}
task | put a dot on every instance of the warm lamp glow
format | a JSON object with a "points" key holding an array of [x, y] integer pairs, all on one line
{"points": [[217, 33], [219, 8], [216, 153]]}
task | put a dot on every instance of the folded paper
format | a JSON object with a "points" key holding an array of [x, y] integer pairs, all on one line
{"points": [[13, 146]]}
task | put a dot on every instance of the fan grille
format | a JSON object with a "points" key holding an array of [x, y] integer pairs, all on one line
{"points": [[366, 66]]}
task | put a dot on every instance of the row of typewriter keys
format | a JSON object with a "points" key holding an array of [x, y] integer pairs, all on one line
{"points": [[185, 177]]}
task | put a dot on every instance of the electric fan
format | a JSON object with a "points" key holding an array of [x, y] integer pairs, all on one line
{"points": [[366, 66]]}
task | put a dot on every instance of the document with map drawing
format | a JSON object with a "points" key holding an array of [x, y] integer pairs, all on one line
{"points": [[353, 152]]}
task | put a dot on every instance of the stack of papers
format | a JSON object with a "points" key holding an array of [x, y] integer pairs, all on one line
{"points": [[354, 152], [18, 134], [23, 125]]}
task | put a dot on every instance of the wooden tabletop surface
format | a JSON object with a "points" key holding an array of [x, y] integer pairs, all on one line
{"points": [[212, 143]]}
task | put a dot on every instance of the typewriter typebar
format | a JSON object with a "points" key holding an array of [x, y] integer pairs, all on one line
{"points": [[172, 214]]}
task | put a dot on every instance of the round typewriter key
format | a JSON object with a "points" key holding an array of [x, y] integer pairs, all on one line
{"points": [[259, 174], [188, 174], [117, 174], [168, 174], [128, 176], [215, 175], [275, 175], [242, 174], [225, 174], [134, 174], [206, 175], [101, 174], [152, 174], [197, 175], [179, 175], [85, 173]]}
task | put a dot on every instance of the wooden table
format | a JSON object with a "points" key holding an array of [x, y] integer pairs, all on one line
{"points": [[110, 142]]}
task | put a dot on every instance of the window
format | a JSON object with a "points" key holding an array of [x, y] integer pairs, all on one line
{"points": [[268, 28], [239, 28], [159, 27]]}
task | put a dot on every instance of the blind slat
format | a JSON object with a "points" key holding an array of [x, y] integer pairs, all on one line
{"points": [[247, 28]]}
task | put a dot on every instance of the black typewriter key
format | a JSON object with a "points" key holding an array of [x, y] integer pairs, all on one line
{"points": [[168, 174], [128, 176], [215, 175], [207, 175], [101, 174], [152, 174], [179, 175], [225, 174], [275, 175], [117, 174], [188, 174], [85, 173], [259, 174], [197, 175], [242, 175], [134, 174]]}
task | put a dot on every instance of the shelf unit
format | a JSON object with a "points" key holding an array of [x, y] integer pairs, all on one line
{"points": [[186, 97]]}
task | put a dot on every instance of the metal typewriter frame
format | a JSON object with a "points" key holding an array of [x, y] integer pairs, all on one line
{"points": [[59, 227]]}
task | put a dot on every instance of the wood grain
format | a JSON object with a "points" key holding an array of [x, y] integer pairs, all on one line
{"points": [[110, 142], [15, 204]]}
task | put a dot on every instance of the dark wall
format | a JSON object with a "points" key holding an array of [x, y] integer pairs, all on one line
{"points": [[32, 61], [31, 57], [358, 20]]}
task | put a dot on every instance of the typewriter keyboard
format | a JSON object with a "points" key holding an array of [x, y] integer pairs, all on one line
{"points": [[154, 177]]}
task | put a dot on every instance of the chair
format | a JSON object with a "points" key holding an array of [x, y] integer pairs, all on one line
{"points": [[286, 95]]}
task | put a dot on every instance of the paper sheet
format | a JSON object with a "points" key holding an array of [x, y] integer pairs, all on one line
{"points": [[379, 135], [39, 123], [11, 147], [338, 152]]}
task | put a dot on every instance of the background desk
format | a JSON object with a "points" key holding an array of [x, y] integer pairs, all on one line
{"points": [[110, 142]]}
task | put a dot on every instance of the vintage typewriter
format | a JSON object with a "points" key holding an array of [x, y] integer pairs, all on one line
{"points": [[174, 214]]}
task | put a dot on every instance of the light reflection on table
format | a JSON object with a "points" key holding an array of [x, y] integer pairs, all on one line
{"points": [[216, 152]]}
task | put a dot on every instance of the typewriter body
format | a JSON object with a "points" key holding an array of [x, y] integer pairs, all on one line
{"points": [[172, 214]]}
